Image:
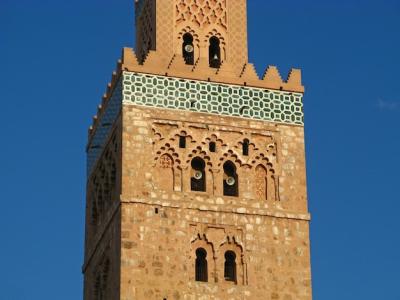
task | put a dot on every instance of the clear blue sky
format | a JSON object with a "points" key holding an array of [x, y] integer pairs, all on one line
{"points": [[56, 58]]}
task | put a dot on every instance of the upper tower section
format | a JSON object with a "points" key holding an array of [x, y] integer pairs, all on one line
{"points": [[214, 31], [192, 55]]}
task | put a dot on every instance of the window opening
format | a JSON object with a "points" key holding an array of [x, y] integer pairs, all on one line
{"points": [[198, 176], [182, 141], [213, 147], [214, 52], [230, 266], [201, 265], [188, 49], [231, 184], [246, 144]]}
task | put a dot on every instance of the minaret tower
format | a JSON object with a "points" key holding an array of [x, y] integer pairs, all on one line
{"points": [[196, 184]]}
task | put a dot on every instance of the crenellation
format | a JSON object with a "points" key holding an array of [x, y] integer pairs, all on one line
{"points": [[196, 183], [156, 64]]}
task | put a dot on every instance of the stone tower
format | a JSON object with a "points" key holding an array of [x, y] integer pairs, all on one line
{"points": [[196, 183]]}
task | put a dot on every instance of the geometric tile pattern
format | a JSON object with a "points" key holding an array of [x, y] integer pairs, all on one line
{"points": [[213, 98], [203, 13], [196, 96], [105, 123]]}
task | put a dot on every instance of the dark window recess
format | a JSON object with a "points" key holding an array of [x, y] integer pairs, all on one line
{"points": [[198, 175], [188, 49], [214, 53], [182, 141], [246, 143], [231, 183], [201, 265], [213, 147], [156, 211], [230, 266]]}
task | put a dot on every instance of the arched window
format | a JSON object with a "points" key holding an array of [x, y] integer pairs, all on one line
{"points": [[201, 265], [231, 184], [214, 52], [188, 49], [230, 266], [245, 146], [198, 175]]}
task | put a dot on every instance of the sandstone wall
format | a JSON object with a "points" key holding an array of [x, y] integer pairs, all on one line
{"points": [[164, 222]]}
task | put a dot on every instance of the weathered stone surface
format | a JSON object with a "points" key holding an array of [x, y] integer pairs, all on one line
{"points": [[169, 189]]}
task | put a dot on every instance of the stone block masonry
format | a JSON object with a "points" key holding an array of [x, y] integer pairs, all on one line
{"points": [[196, 186]]}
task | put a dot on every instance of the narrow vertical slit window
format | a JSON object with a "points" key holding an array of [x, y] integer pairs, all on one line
{"points": [[182, 141], [213, 147], [246, 144]]}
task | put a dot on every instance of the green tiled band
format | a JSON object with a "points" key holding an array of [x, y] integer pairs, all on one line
{"points": [[213, 98]]}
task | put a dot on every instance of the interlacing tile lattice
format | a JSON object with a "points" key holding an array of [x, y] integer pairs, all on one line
{"points": [[196, 96], [214, 98], [101, 135]]}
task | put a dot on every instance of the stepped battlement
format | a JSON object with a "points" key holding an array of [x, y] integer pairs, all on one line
{"points": [[196, 182], [175, 69]]}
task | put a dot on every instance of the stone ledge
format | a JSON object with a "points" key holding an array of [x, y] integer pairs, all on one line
{"points": [[219, 209]]}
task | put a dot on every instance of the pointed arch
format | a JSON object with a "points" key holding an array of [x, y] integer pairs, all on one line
{"points": [[188, 36], [175, 180], [197, 161], [271, 178], [261, 182], [230, 259], [230, 156], [213, 144], [215, 31], [203, 259]]}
